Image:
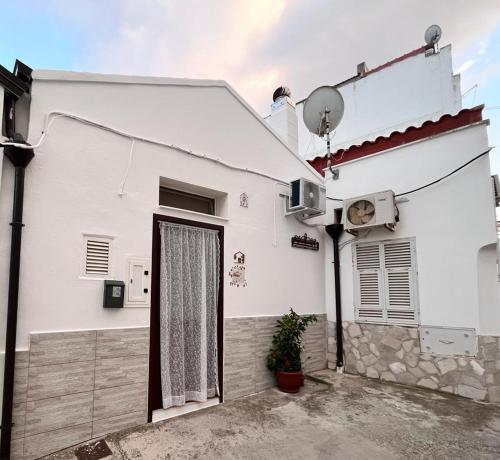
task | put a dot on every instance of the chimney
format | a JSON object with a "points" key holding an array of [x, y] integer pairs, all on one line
{"points": [[283, 118], [362, 69]]}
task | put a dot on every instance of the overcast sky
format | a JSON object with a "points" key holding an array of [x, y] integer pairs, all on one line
{"points": [[256, 45]]}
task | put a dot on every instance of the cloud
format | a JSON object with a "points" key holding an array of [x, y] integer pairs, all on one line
{"points": [[257, 45]]}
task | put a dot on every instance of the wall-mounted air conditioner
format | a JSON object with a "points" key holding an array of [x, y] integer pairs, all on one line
{"points": [[306, 199], [368, 211]]}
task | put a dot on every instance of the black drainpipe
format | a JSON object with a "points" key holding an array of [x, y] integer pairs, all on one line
{"points": [[335, 230], [20, 158]]}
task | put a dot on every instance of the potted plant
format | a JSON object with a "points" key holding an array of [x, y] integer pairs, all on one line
{"points": [[284, 356]]}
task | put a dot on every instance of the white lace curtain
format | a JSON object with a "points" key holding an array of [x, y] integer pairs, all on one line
{"points": [[189, 289]]}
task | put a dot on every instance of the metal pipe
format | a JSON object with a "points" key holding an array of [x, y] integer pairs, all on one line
{"points": [[20, 158], [335, 230]]}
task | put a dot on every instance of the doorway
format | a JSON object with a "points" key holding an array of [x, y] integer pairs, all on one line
{"points": [[170, 228]]}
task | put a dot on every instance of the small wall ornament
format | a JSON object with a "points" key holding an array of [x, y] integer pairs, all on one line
{"points": [[305, 242], [237, 272], [244, 200]]}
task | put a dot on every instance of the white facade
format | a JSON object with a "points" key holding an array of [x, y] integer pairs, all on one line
{"points": [[73, 185], [452, 222], [406, 93]]}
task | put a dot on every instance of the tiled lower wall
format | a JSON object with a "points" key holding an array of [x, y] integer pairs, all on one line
{"points": [[74, 386], [393, 353], [246, 344]]}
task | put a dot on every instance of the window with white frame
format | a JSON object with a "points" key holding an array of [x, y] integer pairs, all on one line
{"points": [[385, 282]]}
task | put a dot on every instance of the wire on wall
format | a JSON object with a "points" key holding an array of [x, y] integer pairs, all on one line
{"points": [[52, 116], [435, 181], [130, 156]]}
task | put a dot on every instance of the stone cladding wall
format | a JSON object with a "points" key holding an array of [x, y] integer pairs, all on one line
{"points": [[392, 353]]}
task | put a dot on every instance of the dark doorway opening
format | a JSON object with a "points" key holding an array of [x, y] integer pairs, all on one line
{"points": [[154, 389]]}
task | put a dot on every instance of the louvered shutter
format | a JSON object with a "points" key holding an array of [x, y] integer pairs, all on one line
{"points": [[368, 279], [399, 282], [97, 256]]}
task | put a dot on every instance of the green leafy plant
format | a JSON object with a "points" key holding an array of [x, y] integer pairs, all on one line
{"points": [[287, 342]]}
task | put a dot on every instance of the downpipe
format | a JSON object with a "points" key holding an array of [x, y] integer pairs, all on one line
{"points": [[335, 230], [20, 158]]}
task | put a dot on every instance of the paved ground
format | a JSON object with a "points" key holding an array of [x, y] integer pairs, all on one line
{"points": [[347, 417]]}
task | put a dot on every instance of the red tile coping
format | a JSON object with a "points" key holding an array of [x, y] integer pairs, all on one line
{"points": [[397, 138]]}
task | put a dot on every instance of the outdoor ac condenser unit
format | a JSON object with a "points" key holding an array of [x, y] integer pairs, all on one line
{"points": [[367, 211], [306, 199]]}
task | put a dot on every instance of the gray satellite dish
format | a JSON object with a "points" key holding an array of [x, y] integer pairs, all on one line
{"points": [[433, 34], [323, 111]]}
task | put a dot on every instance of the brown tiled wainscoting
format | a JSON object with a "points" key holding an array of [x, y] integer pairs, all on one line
{"points": [[247, 341], [392, 353], [74, 386]]}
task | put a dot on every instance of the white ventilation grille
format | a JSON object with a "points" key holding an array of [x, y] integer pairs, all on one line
{"points": [[385, 291], [97, 256]]}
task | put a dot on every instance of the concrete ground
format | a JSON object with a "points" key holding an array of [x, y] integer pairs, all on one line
{"points": [[333, 417]]}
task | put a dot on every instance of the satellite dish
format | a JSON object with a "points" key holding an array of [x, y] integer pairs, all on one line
{"points": [[323, 110], [433, 34]]}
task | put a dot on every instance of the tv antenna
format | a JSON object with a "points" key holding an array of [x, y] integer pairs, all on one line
{"points": [[323, 111], [433, 35]]}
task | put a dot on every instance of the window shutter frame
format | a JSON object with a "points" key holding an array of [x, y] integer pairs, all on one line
{"points": [[371, 265], [397, 282], [400, 302]]}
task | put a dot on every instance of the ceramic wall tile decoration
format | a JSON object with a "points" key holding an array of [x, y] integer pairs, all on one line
{"points": [[237, 272], [305, 242], [244, 200]]}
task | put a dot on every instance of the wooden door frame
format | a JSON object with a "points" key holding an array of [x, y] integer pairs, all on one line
{"points": [[154, 385]]}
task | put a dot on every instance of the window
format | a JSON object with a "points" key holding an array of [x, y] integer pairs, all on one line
{"points": [[185, 200], [385, 280], [97, 255]]}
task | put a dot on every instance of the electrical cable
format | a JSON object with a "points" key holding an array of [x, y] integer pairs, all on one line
{"points": [[57, 114], [447, 175], [130, 156], [435, 181]]}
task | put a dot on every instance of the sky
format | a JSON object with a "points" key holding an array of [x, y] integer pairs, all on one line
{"points": [[255, 45]]}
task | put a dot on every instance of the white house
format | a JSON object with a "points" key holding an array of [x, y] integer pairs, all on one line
{"points": [[144, 189], [119, 155], [420, 303], [403, 92]]}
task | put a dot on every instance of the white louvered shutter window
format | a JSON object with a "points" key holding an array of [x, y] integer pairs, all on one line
{"points": [[369, 299], [97, 256], [392, 296], [400, 282]]}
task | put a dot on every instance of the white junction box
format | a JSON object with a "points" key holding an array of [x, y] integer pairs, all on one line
{"points": [[448, 340]]}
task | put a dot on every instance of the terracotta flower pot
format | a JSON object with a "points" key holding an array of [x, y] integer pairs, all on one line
{"points": [[290, 382]]}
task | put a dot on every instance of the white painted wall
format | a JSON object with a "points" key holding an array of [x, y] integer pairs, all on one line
{"points": [[73, 182], [283, 119], [406, 93], [453, 223]]}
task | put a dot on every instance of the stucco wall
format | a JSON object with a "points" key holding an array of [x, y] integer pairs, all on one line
{"points": [[453, 223], [406, 93], [72, 188]]}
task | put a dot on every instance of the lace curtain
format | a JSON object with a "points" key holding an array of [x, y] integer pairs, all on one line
{"points": [[189, 289]]}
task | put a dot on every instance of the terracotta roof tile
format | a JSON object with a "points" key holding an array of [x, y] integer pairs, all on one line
{"points": [[397, 138]]}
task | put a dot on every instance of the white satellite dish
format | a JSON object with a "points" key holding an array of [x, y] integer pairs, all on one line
{"points": [[322, 113], [323, 110], [433, 34]]}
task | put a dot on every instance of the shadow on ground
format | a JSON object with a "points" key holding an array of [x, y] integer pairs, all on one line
{"points": [[334, 417]]}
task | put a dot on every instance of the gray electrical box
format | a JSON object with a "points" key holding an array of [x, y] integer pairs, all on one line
{"points": [[114, 294], [448, 340]]}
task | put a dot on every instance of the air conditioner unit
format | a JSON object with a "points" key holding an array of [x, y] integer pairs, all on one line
{"points": [[367, 211], [306, 199], [496, 188]]}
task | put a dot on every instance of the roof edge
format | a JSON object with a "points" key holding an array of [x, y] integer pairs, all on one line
{"points": [[411, 134]]}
